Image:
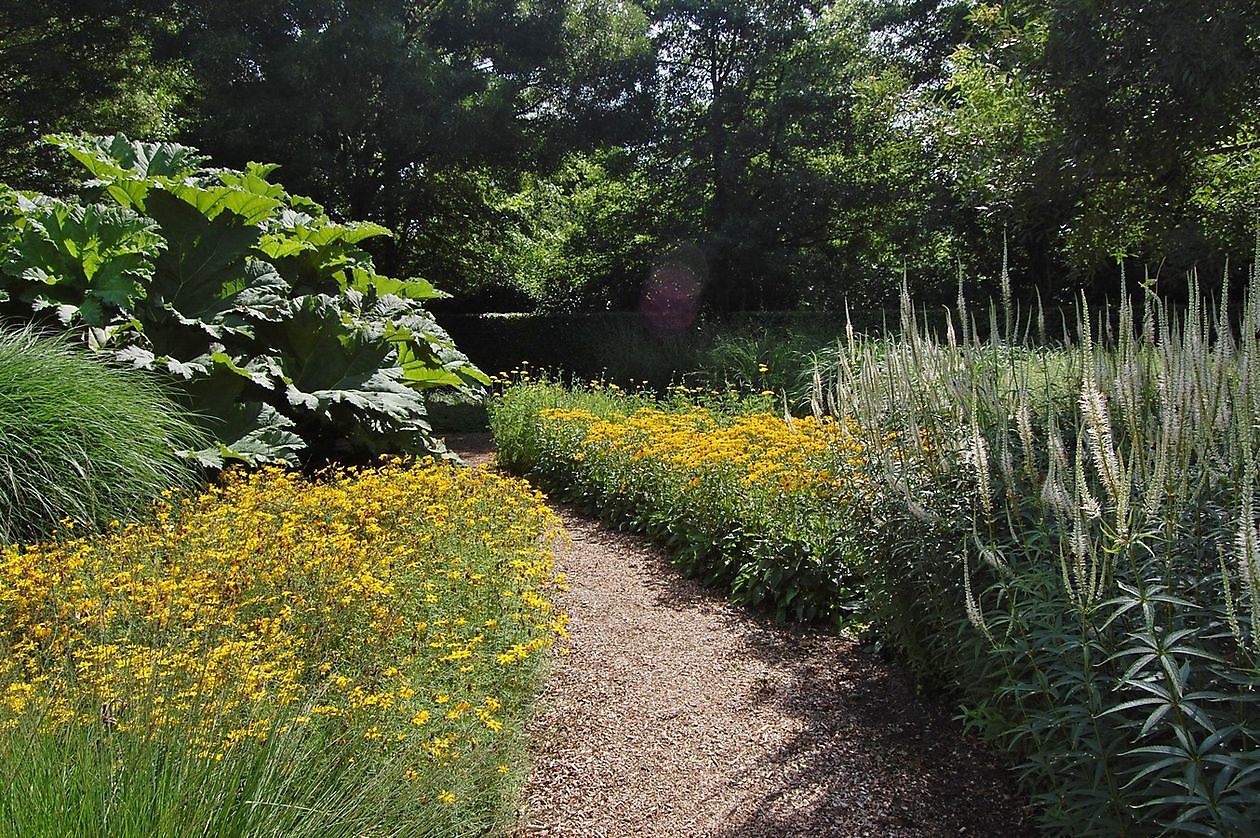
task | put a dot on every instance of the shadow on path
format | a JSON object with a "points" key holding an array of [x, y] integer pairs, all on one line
{"points": [[868, 742], [868, 750]]}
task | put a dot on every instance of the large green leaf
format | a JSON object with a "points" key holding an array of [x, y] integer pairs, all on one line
{"points": [[263, 370], [345, 366], [111, 158], [328, 233], [368, 281], [88, 262], [253, 433], [128, 171], [184, 370], [259, 293], [205, 265], [253, 180], [317, 250], [426, 353], [209, 201]]}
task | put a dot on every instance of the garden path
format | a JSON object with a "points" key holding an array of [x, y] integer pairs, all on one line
{"points": [[676, 714]]}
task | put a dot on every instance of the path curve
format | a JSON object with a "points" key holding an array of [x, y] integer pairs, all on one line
{"points": [[676, 714]]}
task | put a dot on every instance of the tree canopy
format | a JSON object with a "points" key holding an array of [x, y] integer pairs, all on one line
{"points": [[550, 154]]}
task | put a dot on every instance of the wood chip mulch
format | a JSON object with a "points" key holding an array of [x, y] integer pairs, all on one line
{"points": [[674, 713]]}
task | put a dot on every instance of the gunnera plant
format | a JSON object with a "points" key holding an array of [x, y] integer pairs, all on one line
{"points": [[267, 315], [81, 439]]}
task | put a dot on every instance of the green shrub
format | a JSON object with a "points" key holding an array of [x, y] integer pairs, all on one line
{"points": [[268, 314], [81, 439], [756, 352]]}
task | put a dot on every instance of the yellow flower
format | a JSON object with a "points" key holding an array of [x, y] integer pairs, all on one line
{"points": [[271, 602]]}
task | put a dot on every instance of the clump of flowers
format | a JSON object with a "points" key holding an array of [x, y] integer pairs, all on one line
{"points": [[798, 454], [754, 501], [400, 608]]}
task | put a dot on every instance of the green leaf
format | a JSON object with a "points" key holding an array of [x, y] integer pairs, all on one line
{"points": [[253, 180], [347, 367], [1130, 705], [257, 294], [97, 259], [427, 356], [188, 370], [211, 201], [350, 233], [363, 281], [1221, 736], [253, 433], [110, 158], [263, 370], [137, 356], [205, 264]]}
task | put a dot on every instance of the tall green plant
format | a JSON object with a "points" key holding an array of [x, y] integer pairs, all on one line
{"points": [[81, 439], [267, 313], [1071, 547]]}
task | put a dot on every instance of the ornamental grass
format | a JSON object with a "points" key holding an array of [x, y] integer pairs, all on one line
{"points": [[81, 438], [347, 655]]}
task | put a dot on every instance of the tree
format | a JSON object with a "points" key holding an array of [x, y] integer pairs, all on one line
{"points": [[752, 101], [1085, 130], [917, 37], [1143, 92], [80, 65], [410, 113]]}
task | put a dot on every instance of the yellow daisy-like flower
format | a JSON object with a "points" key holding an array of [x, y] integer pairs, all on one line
{"points": [[271, 603]]}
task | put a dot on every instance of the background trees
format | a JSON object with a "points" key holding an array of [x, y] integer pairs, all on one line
{"points": [[549, 154], [413, 114], [80, 65], [1102, 122]]}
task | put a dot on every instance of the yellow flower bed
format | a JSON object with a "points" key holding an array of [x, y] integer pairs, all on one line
{"points": [[402, 606], [800, 454], [755, 502]]}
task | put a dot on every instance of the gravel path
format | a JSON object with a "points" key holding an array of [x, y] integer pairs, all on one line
{"points": [[676, 714]]}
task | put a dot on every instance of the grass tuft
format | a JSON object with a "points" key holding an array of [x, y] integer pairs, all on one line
{"points": [[80, 439]]}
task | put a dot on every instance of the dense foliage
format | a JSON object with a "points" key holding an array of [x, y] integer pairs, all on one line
{"points": [[81, 440], [278, 657], [268, 314], [1072, 551], [554, 154], [749, 353]]}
